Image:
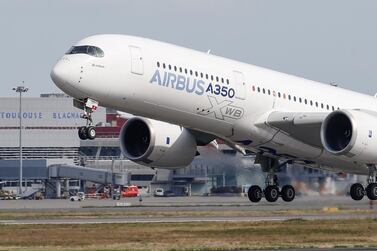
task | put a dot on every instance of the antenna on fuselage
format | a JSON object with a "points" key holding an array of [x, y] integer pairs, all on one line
{"points": [[209, 51]]}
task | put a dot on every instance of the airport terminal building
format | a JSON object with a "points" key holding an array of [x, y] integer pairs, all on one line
{"points": [[49, 127]]}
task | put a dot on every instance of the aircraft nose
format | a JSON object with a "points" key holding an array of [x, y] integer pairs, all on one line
{"points": [[63, 74]]}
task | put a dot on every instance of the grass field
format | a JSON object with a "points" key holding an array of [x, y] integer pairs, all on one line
{"points": [[191, 236]]}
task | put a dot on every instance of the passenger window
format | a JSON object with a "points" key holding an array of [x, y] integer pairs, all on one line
{"points": [[201, 74], [279, 94], [196, 73], [175, 68], [163, 65], [158, 64], [306, 101], [186, 71], [311, 102], [180, 69], [300, 100], [316, 104], [327, 106], [169, 67], [212, 77], [190, 72], [206, 76], [269, 92], [322, 105], [294, 98], [217, 79], [227, 81], [289, 96], [222, 80], [264, 91], [258, 89], [253, 88]]}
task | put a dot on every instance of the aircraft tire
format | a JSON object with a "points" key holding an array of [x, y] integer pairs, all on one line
{"points": [[255, 193], [82, 133], [288, 193], [271, 193], [91, 132], [371, 191], [357, 191]]}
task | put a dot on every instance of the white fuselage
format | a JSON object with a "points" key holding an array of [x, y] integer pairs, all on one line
{"points": [[204, 92]]}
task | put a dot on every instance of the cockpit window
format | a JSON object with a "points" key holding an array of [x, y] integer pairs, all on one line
{"points": [[86, 49]]}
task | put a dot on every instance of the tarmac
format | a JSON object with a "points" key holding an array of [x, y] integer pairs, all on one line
{"points": [[200, 203], [159, 219]]}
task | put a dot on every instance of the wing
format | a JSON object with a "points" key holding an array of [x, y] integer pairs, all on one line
{"points": [[303, 126]]}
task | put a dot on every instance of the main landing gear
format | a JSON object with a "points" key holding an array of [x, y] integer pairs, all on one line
{"points": [[271, 191], [357, 190], [88, 131]]}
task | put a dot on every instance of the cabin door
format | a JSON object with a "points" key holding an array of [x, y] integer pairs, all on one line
{"points": [[136, 60], [240, 85]]}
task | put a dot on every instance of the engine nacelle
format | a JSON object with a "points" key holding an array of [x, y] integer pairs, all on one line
{"points": [[157, 144], [352, 133]]}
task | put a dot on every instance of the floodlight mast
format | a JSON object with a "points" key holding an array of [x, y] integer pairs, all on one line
{"points": [[20, 90]]}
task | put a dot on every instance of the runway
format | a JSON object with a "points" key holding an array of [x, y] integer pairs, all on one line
{"points": [[158, 219], [195, 203], [197, 209]]}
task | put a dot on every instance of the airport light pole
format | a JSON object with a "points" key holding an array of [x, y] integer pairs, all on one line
{"points": [[20, 90]]}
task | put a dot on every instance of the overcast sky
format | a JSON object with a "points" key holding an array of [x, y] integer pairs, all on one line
{"points": [[322, 40]]}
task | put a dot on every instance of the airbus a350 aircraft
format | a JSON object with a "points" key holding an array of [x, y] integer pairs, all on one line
{"points": [[182, 98]]}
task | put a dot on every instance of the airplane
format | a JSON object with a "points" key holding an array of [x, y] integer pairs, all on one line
{"points": [[183, 98]]}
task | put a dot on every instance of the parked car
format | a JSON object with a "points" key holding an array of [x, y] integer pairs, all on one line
{"points": [[159, 192]]}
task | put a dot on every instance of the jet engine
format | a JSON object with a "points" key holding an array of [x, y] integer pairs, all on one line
{"points": [[157, 144], [352, 133]]}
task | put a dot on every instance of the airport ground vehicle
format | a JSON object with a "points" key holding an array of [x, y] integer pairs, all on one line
{"points": [[6, 195], [130, 191], [80, 196], [116, 195], [159, 192]]}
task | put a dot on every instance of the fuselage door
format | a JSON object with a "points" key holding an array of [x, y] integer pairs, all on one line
{"points": [[136, 60], [240, 85]]}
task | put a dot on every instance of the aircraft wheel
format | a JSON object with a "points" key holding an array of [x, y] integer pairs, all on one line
{"points": [[271, 193], [357, 191], [372, 191], [255, 194], [288, 193], [82, 133], [91, 132]]}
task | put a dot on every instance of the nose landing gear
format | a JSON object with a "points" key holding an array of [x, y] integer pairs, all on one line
{"points": [[271, 191], [88, 131]]}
